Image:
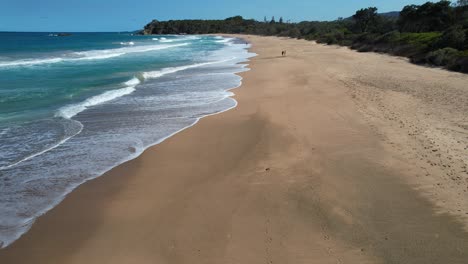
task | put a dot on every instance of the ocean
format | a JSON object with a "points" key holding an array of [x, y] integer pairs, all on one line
{"points": [[74, 107]]}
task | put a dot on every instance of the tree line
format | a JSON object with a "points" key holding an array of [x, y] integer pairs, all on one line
{"points": [[433, 33]]}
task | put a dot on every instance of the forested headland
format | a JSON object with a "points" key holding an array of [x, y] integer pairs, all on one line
{"points": [[434, 33]]}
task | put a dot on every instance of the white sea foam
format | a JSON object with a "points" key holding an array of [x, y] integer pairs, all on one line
{"points": [[109, 53], [99, 56], [44, 150], [29, 62], [72, 110], [90, 55], [130, 43], [224, 40], [162, 72], [132, 82], [154, 38], [4, 131], [178, 39]]}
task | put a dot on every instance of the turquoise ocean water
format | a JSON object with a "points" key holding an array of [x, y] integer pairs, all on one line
{"points": [[73, 107]]}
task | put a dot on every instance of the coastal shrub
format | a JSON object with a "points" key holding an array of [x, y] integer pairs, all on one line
{"points": [[367, 42], [391, 37], [416, 45], [424, 38], [346, 42], [460, 65], [465, 47], [365, 48], [339, 36], [453, 37], [463, 53], [443, 57], [310, 37], [294, 33], [406, 50], [335, 37], [362, 42], [330, 39], [387, 42]]}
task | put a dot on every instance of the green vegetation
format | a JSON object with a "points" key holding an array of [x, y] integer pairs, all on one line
{"points": [[432, 33]]}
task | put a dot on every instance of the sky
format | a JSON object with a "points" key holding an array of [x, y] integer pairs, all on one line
{"points": [[129, 15]]}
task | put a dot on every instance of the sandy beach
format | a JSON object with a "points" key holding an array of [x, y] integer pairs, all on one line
{"points": [[331, 156]]}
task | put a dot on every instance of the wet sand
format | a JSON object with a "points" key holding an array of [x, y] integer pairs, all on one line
{"points": [[331, 156]]}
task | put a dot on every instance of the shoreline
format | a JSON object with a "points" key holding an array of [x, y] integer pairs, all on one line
{"points": [[240, 65], [290, 175]]}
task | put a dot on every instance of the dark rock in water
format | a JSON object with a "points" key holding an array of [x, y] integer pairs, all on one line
{"points": [[63, 34]]}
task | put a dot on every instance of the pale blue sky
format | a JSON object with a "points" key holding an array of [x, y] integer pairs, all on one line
{"points": [[122, 15]]}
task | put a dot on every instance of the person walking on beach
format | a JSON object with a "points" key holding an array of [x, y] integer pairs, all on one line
{"points": [[283, 53]]}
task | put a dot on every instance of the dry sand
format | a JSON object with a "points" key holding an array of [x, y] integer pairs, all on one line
{"points": [[332, 156]]}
